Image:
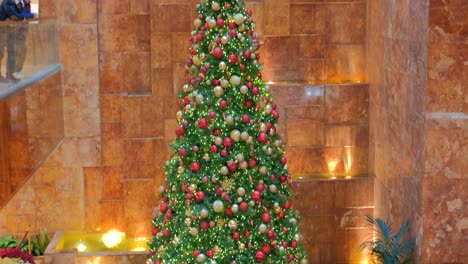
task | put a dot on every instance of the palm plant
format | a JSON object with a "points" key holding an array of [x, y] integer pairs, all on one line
{"points": [[386, 247]]}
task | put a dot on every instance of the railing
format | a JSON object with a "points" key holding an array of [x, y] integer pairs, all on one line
{"points": [[31, 105], [28, 53]]}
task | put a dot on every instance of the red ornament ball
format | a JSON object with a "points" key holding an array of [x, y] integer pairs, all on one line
{"points": [[245, 118], [271, 234], [195, 166], [283, 178], [217, 53], [252, 163], [155, 230], [255, 91], [290, 257], [182, 152], [259, 256], [210, 253], [204, 225], [217, 132], [214, 149], [247, 54], [180, 131], [195, 148], [282, 214], [227, 142], [262, 137], [220, 22], [163, 207], [283, 160], [265, 248], [266, 217], [243, 206], [294, 244], [275, 114], [223, 153], [166, 233], [232, 59], [260, 187], [203, 123], [236, 235], [232, 166], [212, 114], [228, 211], [199, 196], [196, 252], [287, 205], [256, 196], [223, 104]]}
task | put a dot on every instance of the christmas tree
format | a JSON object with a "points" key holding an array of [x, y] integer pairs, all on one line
{"points": [[227, 197]]}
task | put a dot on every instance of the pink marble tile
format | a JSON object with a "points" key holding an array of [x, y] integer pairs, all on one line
{"points": [[138, 207], [314, 16], [346, 23]]}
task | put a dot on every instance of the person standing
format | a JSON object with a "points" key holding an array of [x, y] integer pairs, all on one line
{"points": [[16, 10]]}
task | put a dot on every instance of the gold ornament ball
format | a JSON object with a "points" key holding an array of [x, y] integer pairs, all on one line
{"points": [[293, 221], [251, 203], [244, 165], [218, 206], [268, 109], [241, 246], [218, 141], [215, 6], [272, 132], [224, 83], [240, 157], [235, 80], [188, 221], [253, 56], [304, 261], [241, 29], [238, 19], [241, 191], [179, 115], [222, 66], [235, 135], [194, 231], [239, 199], [263, 127], [193, 187], [262, 228], [201, 258], [277, 210], [212, 23], [249, 140], [269, 151], [218, 91], [161, 188], [214, 179], [235, 208], [232, 224], [204, 213], [278, 142], [224, 40], [276, 205], [263, 170], [197, 23], [229, 120], [196, 60], [199, 98], [267, 88], [244, 136], [297, 237], [185, 88], [244, 89], [180, 170], [188, 213], [273, 188], [224, 170]]}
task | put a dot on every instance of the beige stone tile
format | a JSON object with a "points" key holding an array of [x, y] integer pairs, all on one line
{"points": [[138, 207], [78, 44]]}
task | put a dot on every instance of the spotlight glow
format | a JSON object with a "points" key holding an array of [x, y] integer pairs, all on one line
{"points": [[112, 238]]}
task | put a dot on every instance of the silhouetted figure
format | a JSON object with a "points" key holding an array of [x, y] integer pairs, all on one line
{"points": [[15, 10]]}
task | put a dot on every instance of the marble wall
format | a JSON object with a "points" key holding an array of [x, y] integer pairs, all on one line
{"points": [[418, 121], [397, 44], [446, 138]]}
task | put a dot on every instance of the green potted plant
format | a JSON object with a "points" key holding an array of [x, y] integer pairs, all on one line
{"points": [[39, 245], [386, 247]]}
